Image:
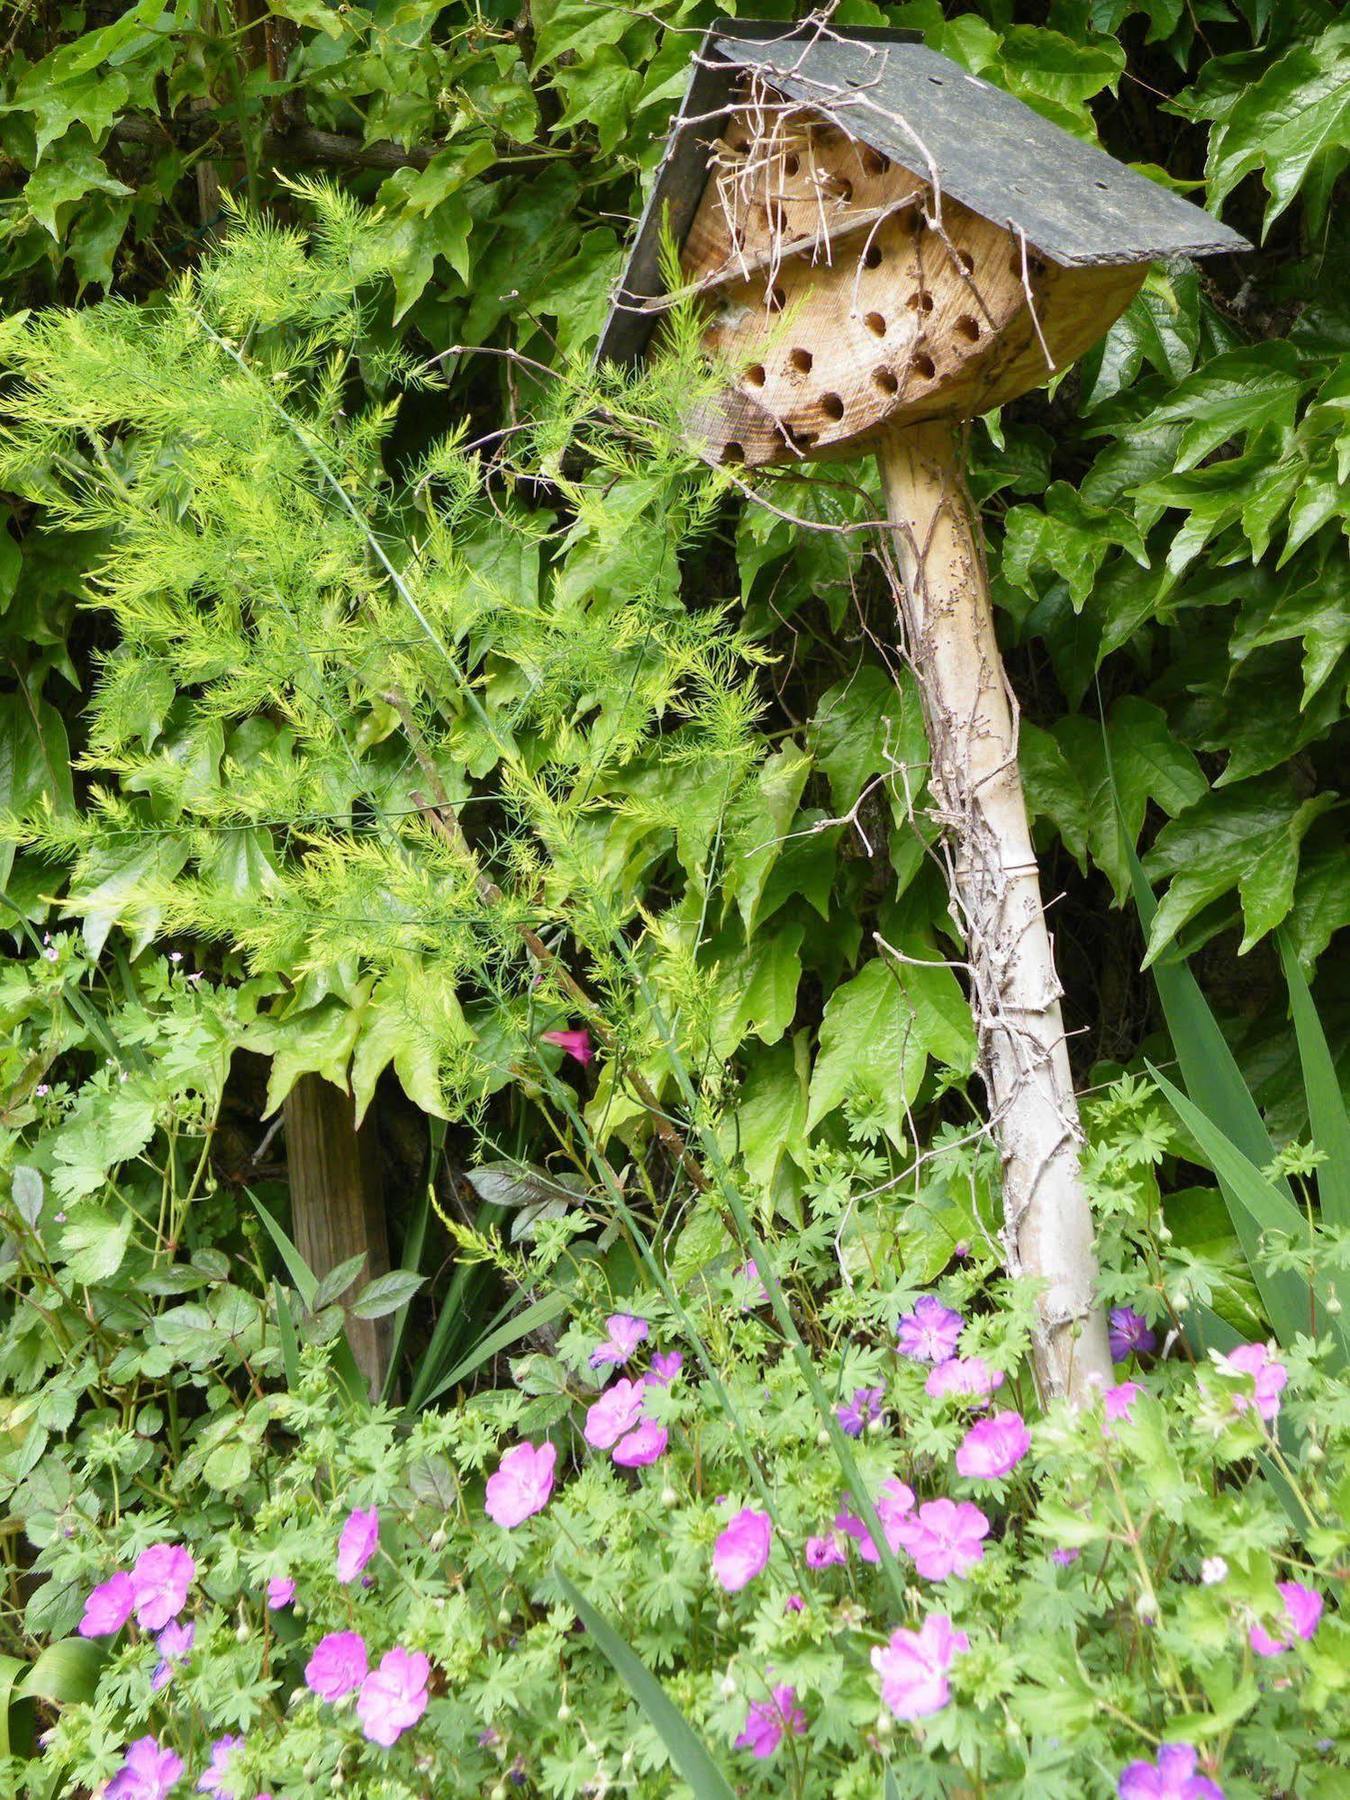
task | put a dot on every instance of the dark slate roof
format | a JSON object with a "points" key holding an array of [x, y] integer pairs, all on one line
{"points": [[988, 150]]}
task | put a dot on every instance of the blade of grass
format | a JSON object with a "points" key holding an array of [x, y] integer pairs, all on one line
{"points": [[541, 1313], [688, 1753], [1328, 1119], [306, 1285], [414, 1241], [290, 1341]]}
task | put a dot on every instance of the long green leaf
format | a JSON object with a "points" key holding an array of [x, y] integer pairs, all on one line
{"points": [[542, 1312], [306, 1284], [414, 1239], [1327, 1116], [290, 1341], [688, 1753], [66, 1673]]}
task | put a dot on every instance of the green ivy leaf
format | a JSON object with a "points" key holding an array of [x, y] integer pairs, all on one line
{"points": [[1232, 395]]}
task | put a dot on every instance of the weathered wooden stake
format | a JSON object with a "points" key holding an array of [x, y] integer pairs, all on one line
{"points": [[337, 1202]]}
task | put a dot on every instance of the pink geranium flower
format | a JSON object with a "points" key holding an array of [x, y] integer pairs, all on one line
{"points": [[913, 1667], [1302, 1613], [642, 1446], [742, 1550], [280, 1592], [576, 1044], [337, 1665], [930, 1332], [824, 1552], [394, 1696], [147, 1774], [993, 1447], [522, 1484], [1268, 1376], [967, 1377], [617, 1411], [625, 1334], [666, 1365], [1119, 1400], [173, 1644], [357, 1542], [160, 1579], [1172, 1777], [768, 1721], [217, 1771], [893, 1504], [108, 1608], [856, 1414], [945, 1538]]}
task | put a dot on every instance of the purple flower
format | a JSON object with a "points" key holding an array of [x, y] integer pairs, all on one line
{"points": [[1120, 1399], [1302, 1612], [522, 1484], [823, 1552], [666, 1365], [749, 1274], [617, 1411], [929, 1333], [1268, 1374], [993, 1447], [742, 1550], [855, 1414], [394, 1696], [336, 1665], [1064, 1557], [768, 1720], [913, 1667], [357, 1542], [280, 1592], [970, 1377], [173, 1644], [893, 1505], [1172, 1777], [576, 1044], [625, 1334], [107, 1610], [147, 1774], [945, 1538], [642, 1446], [1129, 1331], [160, 1579], [794, 1604], [217, 1771]]}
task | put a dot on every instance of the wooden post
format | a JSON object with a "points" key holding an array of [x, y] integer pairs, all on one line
{"points": [[977, 791], [337, 1207]]}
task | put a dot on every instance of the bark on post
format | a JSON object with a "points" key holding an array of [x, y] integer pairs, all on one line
{"points": [[977, 790], [337, 1203]]}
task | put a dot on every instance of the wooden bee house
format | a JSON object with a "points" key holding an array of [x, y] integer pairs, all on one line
{"points": [[883, 246]]}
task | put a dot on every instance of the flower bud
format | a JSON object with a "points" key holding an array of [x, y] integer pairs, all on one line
{"points": [[1180, 1302], [564, 1712], [1332, 1303], [823, 1439], [242, 1632], [669, 1498], [723, 1619], [498, 1791], [439, 1538], [885, 1724], [1147, 1607], [1314, 1453], [876, 1426], [728, 1686], [504, 1616]]}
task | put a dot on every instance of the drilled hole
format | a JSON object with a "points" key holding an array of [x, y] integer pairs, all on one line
{"points": [[777, 216], [872, 256], [937, 81], [740, 146], [924, 367], [875, 163], [875, 323], [776, 299], [800, 440], [832, 406], [966, 260], [801, 361], [968, 328], [886, 381], [791, 164], [913, 302], [1102, 185], [843, 187], [916, 222], [925, 303], [733, 452], [754, 375]]}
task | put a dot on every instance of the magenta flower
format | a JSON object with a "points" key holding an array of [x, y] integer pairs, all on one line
{"points": [[1064, 1557], [217, 1771], [968, 1377], [1172, 1777], [107, 1610], [1120, 1399], [358, 1541], [893, 1505], [147, 1774], [742, 1550], [1268, 1374], [666, 1365], [768, 1721], [522, 1484], [160, 1579], [929, 1333], [625, 1334], [993, 1447], [576, 1044], [642, 1446], [1129, 1331], [945, 1538], [856, 1414], [794, 1604], [173, 1644], [280, 1592], [1302, 1612], [749, 1274], [823, 1552], [337, 1665], [913, 1667], [394, 1696], [617, 1411]]}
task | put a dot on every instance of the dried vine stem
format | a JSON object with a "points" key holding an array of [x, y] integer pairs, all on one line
{"points": [[1014, 992]]}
